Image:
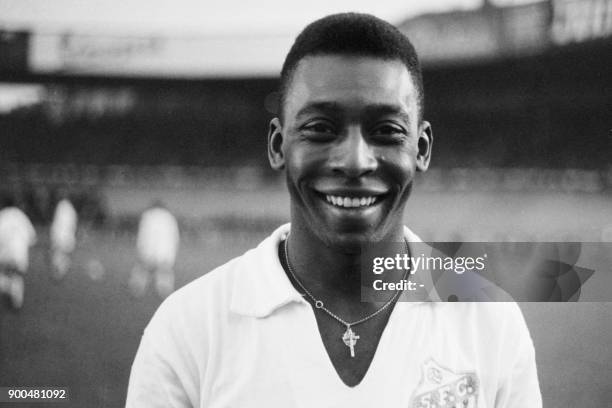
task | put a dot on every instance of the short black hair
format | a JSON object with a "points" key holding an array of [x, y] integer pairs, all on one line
{"points": [[352, 34]]}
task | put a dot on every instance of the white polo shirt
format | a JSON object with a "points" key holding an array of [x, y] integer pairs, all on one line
{"points": [[17, 235], [158, 237], [242, 336], [64, 226]]}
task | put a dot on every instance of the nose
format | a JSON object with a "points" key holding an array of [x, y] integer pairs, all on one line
{"points": [[353, 156]]}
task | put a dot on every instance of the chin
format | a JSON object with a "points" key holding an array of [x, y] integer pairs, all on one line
{"points": [[350, 242]]}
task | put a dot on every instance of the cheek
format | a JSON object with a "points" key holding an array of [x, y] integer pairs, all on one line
{"points": [[301, 168], [399, 165], [302, 161], [404, 174], [297, 164]]}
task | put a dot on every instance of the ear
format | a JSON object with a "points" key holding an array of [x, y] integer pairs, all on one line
{"points": [[425, 144], [275, 145]]}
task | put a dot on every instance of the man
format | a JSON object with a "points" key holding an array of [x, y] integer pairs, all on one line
{"points": [[17, 235], [63, 237], [157, 245], [284, 325]]}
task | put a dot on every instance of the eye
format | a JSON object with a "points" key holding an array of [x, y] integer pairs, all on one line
{"points": [[318, 131], [389, 133]]}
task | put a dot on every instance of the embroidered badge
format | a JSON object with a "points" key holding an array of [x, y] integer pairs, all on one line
{"points": [[443, 388]]}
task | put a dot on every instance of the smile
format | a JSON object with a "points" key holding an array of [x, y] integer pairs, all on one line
{"points": [[350, 202]]}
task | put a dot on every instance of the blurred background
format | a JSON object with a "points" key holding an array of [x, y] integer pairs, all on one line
{"points": [[119, 105]]}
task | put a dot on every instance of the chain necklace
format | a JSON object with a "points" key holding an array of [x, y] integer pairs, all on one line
{"points": [[349, 337]]}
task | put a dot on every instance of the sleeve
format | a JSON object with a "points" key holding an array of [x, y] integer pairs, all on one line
{"points": [[158, 377], [520, 387]]}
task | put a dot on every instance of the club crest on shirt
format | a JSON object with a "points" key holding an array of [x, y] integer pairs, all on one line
{"points": [[443, 388]]}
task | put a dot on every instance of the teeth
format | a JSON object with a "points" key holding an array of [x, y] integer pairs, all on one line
{"points": [[350, 202]]}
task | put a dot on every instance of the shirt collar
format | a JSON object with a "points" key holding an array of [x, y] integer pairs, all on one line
{"points": [[261, 285]]}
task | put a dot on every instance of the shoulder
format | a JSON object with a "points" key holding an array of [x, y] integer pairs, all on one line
{"points": [[206, 296], [66, 207], [243, 285], [491, 320], [14, 218], [157, 216], [14, 213], [494, 312], [209, 299]]}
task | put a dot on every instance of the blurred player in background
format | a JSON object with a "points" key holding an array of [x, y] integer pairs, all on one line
{"points": [[63, 237], [157, 245], [17, 234]]}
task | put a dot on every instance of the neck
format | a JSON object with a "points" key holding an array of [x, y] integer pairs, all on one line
{"points": [[328, 271]]}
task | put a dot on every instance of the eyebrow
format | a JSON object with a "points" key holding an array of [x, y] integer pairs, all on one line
{"points": [[316, 107], [335, 108], [389, 109]]}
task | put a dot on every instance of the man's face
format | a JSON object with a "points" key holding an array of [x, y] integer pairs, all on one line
{"points": [[351, 143]]}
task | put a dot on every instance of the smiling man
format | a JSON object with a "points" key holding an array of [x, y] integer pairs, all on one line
{"points": [[284, 324]]}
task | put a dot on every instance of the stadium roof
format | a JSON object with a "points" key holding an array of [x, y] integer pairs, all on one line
{"points": [[61, 44]]}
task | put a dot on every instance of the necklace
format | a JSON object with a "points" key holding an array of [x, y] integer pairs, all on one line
{"points": [[349, 338]]}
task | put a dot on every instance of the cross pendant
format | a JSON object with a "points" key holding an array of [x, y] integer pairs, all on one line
{"points": [[350, 339]]}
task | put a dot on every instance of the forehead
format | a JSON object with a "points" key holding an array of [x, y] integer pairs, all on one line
{"points": [[351, 81]]}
